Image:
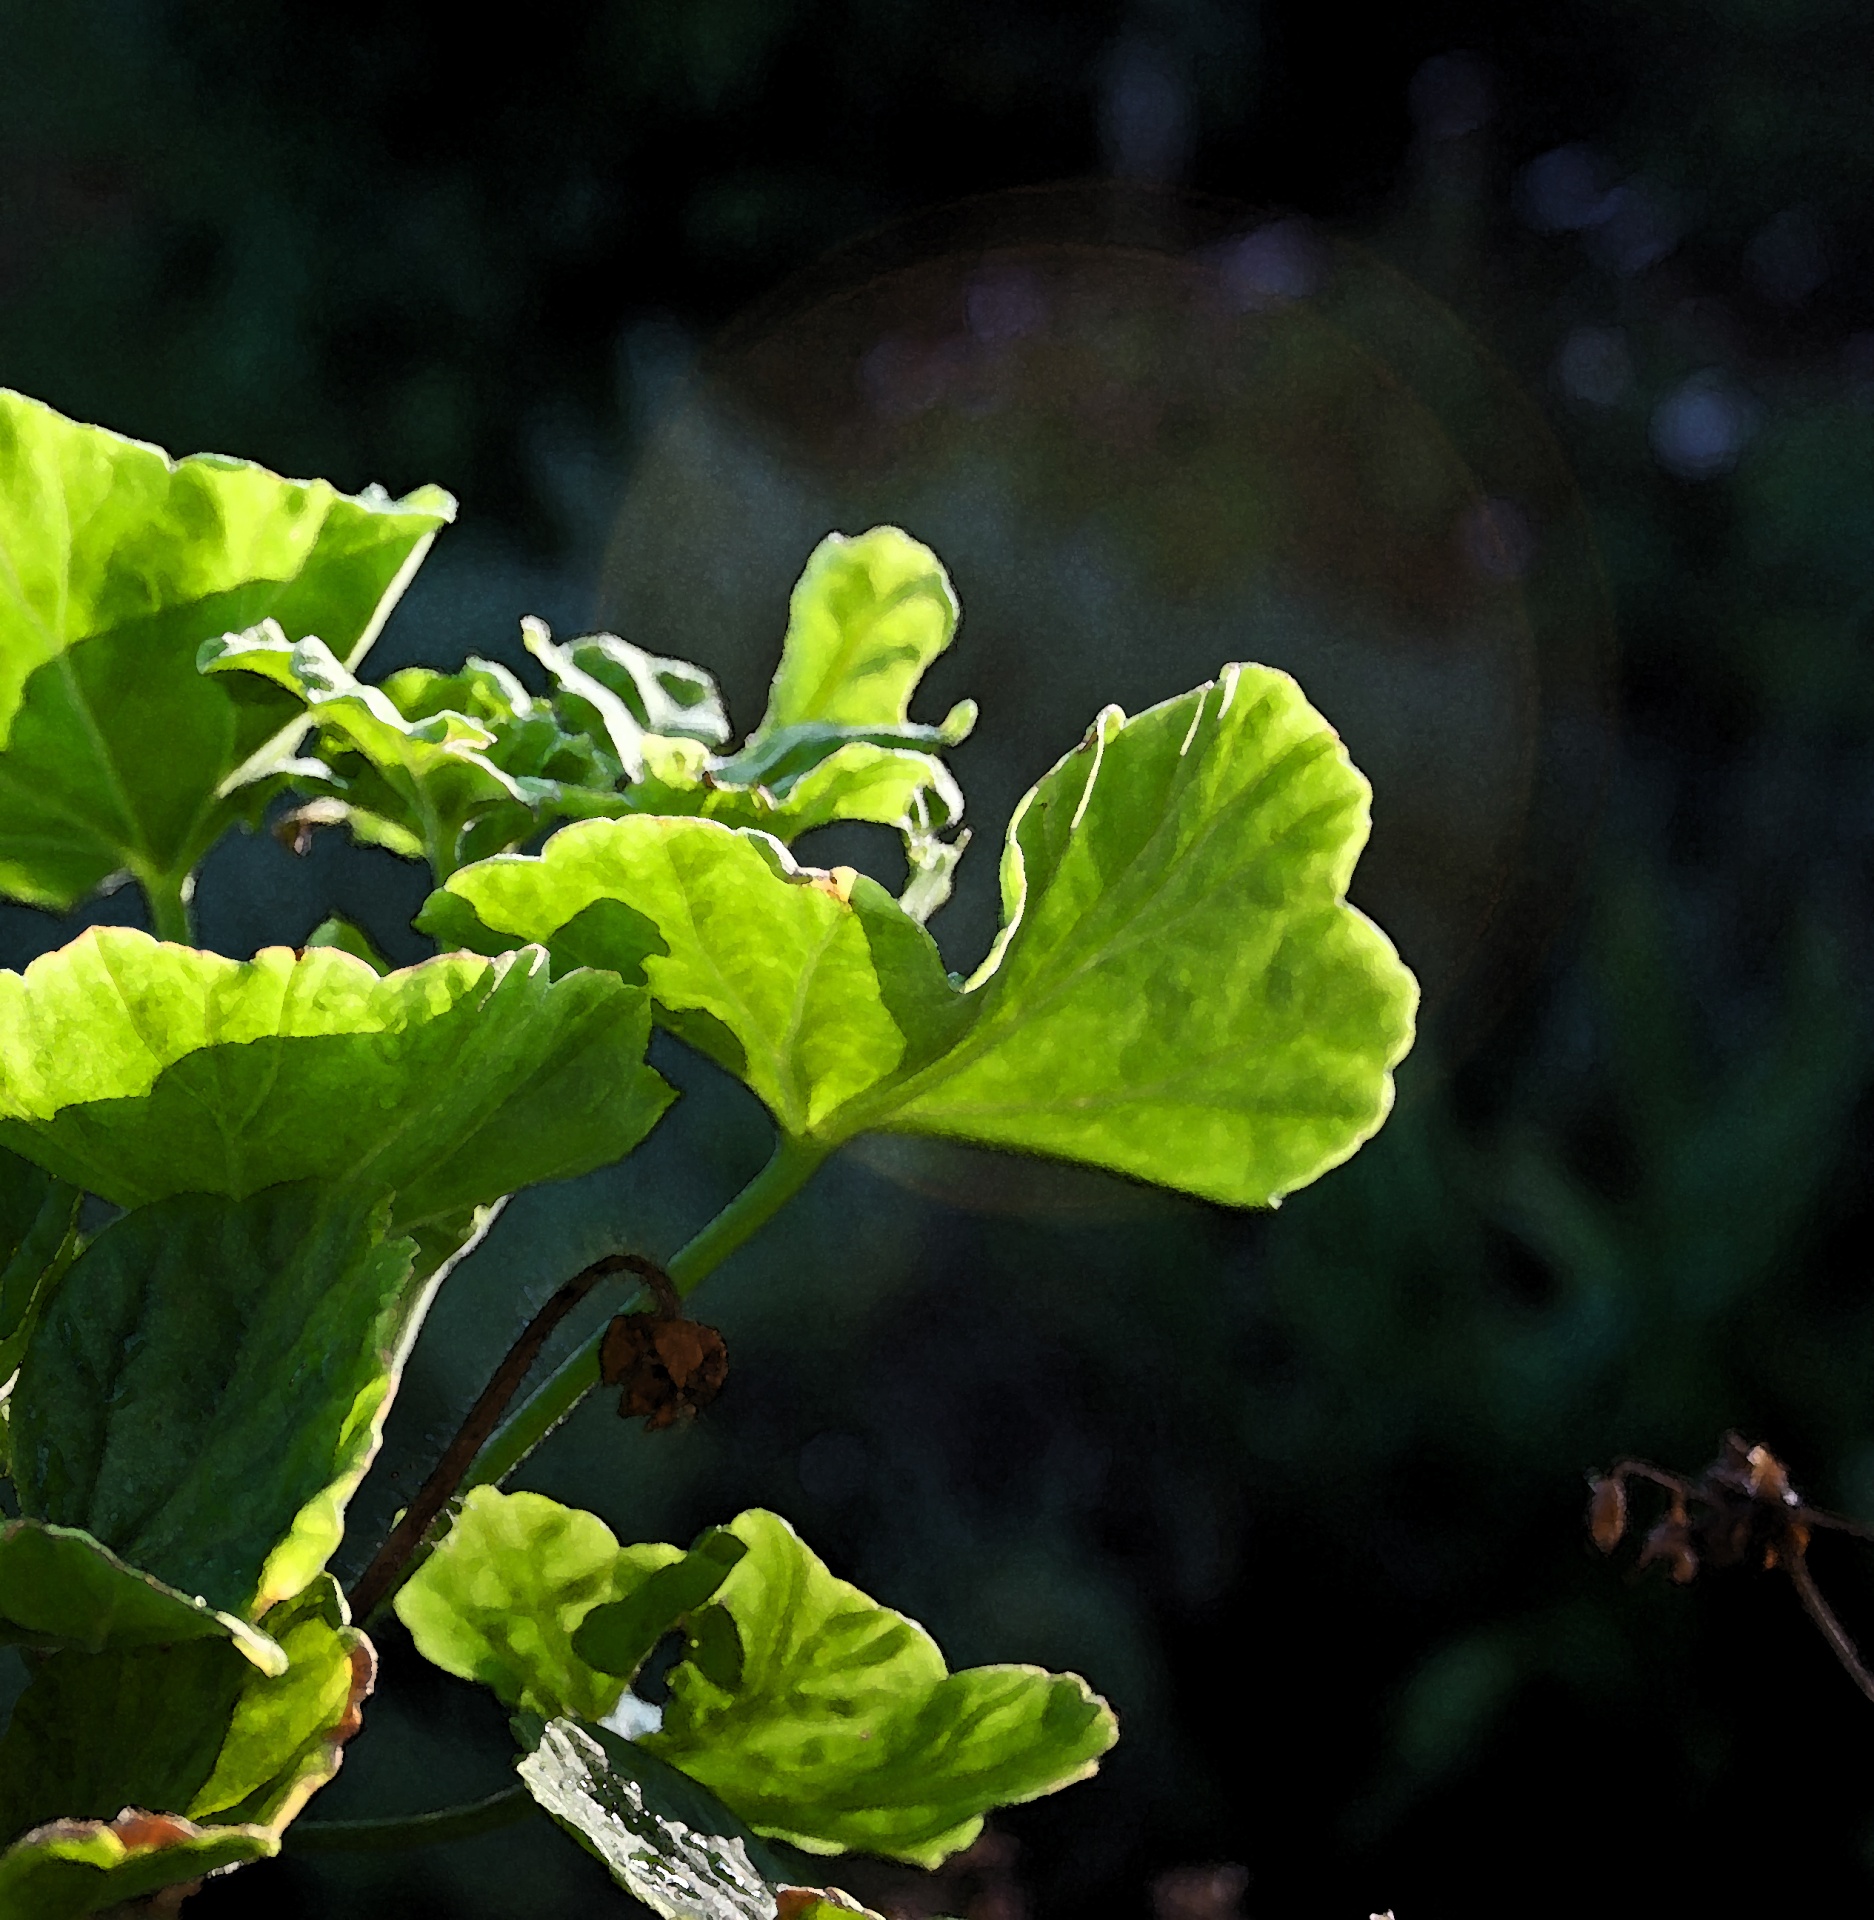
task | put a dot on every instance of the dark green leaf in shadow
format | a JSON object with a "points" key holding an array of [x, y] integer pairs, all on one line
{"points": [[206, 1374], [137, 1069], [116, 564], [125, 1772], [38, 1237], [618, 1637]]}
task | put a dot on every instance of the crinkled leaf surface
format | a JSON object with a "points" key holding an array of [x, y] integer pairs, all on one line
{"points": [[60, 1588], [436, 772], [1180, 990], [460, 766], [500, 1598], [138, 1069], [38, 1221], [125, 1772], [208, 1369], [843, 1728], [812, 987], [682, 1859], [116, 563]]}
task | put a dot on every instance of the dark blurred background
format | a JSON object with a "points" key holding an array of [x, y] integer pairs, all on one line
{"points": [[1506, 373]]}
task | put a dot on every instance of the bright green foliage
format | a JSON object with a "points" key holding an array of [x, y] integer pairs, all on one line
{"points": [[139, 1069], [174, 1738], [208, 1369], [811, 987], [1180, 990], [684, 1856], [60, 1588], [448, 768], [817, 1715], [500, 1597], [38, 1220], [115, 565], [845, 1731]]}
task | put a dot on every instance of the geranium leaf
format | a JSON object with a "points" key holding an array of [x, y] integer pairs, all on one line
{"points": [[60, 1588], [1180, 990], [818, 983], [125, 1772], [844, 1730], [434, 773], [207, 1370], [138, 1069], [500, 1598], [38, 1237], [868, 615], [665, 1841], [116, 563]]}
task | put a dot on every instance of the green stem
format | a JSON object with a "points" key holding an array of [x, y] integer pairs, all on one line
{"points": [[501, 1809], [789, 1169], [168, 895]]}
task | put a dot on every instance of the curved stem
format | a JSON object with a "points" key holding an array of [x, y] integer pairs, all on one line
{"points": [[168, 895], [501, 1809], [396, 1558], [790, 1167]]}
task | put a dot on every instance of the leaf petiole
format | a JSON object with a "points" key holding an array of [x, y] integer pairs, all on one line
{"points": [[503, 1809], [169, 895]]}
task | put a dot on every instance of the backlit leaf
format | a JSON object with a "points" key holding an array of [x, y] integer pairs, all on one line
{"points": [[500, 1598], [844, 1730], [1180, 990], [60, 1588], [116, 563], [138, 1069], [811, 987]]}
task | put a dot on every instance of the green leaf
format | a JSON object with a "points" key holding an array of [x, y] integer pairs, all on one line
{"points": [[867, 617], [435, 772], [812, 987], [619, 1636], [116, 563], [60, 1588], [72, 1867], [844, 1730], [502, 1595], [287, 1735], [1179, 992], [138, 1069], [682, 1859], [126, 1772], [336, 931], [38, 1237], [207, 1370]]}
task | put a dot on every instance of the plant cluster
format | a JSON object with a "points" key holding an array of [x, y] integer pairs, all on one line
{"points": [[230, 1189]]}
